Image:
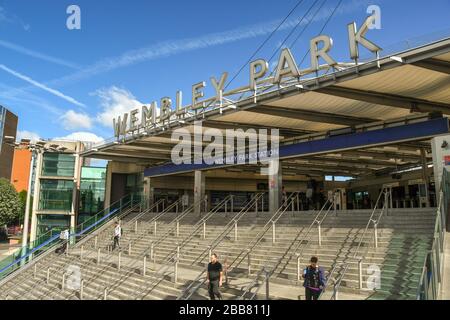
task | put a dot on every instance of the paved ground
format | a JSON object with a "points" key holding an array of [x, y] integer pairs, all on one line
{"points": [[281, 291]]}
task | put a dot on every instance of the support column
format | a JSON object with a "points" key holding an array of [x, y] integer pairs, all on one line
{"points": [[199, 191], [108, 185], [36, 195], [440, 148], [275, 185], [425, 176], [148, 192]]}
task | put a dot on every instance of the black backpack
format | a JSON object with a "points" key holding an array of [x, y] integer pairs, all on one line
{"points": [[312, 278]]}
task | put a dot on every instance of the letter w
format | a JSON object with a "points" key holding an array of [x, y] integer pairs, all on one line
{"points": [[121, 126]]}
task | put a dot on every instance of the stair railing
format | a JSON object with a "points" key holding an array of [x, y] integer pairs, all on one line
{"points": [[214, 243], [359, 256], [255, 241]]}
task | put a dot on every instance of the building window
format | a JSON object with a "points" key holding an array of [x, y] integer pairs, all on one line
{"points": [[58, 165], [56, 195], [52, 224], [92, 192]]}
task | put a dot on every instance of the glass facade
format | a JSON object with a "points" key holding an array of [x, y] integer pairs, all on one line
{"points": [[92, 192], [56, 195], [58, 165], [53, 223], [135, 183]]}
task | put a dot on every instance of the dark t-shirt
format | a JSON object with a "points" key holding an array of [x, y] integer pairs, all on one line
{"points": [[214, 270]]}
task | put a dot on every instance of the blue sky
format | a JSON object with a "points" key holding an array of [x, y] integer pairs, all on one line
{"points": [[60, 82]]}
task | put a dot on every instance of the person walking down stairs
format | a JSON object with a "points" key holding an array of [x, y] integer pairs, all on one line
{"points": [[117, 236], [214, 277], [314, 280]]}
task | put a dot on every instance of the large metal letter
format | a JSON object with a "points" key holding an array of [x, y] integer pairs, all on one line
{"points": [[284, 71], [120, 126], [323, 52], [257, 74], [218, 86], [196, 94], [356, 37], [166, 108]]}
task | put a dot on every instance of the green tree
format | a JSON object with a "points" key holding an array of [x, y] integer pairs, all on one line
{"points": [[10, 203], [23, 201]]}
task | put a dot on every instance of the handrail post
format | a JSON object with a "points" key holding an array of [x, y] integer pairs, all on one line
{"points": [[226, 208], [210, 251], [273, 232], [267, 283], [248, 261], [95, 242], [204, 229], [298, 267], [120, 261], [178, 228], [81, 289], [120, 206], [235, 231], [98, 256], [256, 208], [48, 275], [152, 253], [319, 230], [105, 294], [262, 203], [81, 253], [154, 233], [360, 281], [136, 226], [144, 267], [131, 200], [176, 270], [129, 248], [35, 270], [375, 225]]}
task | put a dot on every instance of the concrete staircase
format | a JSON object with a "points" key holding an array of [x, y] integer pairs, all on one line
{"points": [[404, 237]]}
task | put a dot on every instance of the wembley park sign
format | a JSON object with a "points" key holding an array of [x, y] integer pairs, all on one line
{"points": [[320, 48]]}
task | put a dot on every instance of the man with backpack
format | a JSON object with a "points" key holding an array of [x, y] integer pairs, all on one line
{"points": [[117, 235], [314, 280]]}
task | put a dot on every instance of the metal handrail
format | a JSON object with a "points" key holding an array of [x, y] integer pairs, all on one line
{"points": [[227, 228], [255, 241], [435, 255], [144, 253], [220, 237], [81, 241], [252, 284], [142, 234], [355, 256], [328, 204], [173, 255], [330, 277], [83, 237], [149, 209]]}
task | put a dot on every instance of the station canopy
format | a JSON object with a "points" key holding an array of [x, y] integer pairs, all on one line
{"points": [[404, 87]]}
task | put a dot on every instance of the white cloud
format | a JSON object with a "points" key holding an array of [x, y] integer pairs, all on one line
{"points": [[72, 120], [115, 102], [33, 136], [81, 136]]}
